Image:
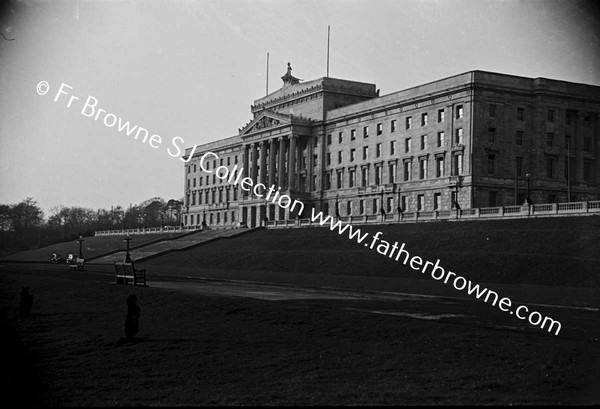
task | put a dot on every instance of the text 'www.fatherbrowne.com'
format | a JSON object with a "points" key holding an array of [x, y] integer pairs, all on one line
{"points": [[399, 253]]}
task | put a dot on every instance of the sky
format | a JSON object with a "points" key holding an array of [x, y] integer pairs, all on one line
{"points": [[191, 69]]}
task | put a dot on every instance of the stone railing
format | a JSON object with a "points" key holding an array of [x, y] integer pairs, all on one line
{"points": [[151, 230], [534, 210]]}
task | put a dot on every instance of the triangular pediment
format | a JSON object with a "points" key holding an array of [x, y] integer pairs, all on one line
{"points": [[266, 120]]}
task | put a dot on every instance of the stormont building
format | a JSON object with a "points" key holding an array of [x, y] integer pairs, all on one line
{"points": [[473, 140]]}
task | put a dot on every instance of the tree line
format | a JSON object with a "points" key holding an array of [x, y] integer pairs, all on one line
{"points": [[24, 226]]}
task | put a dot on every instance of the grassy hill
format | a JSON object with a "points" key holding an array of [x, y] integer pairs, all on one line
{"points": [[551, 251]]}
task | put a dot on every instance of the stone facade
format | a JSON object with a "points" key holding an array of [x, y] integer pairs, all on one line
{"points": [[470, 140]]}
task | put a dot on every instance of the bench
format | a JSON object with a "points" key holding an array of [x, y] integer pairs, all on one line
{"points": [[126, 273]]}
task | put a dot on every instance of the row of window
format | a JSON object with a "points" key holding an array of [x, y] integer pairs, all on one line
{"points": [[211, 219], [211, 196], [388, 208], [549, 118]]}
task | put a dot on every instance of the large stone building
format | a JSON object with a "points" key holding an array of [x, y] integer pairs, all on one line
{"points": [[477, 139]]}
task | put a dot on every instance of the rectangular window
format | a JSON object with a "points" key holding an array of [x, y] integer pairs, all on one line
{"points": [[423, 141], [235, 160], [200, 181], [393, 125], [375, 206], [195, 168], [365, 152], [439, 167], [352, 134], [327, 180], [519, 138], [221, 162], [492, 111], [188, 183], [189, 169], [440, 139], [519, 165], [550, 139], [441, 115], [550, 115], [340, 179], [407, 145], [459, 112], [315, 141], [228, 160], [420, 202], [352, 154], [329, 139], [491, 164], [361, 206], [366, 131], [457, 166], [340, 157], [408, 122], [390, 203], [193, 199], [407, 169], [378, 150], [392, 147], [378, 173], [491, 135], [194, 184], [379, 129], [404, 203], [437, 199], [458, 140], [423, 168], [351, 178], [364, 177], [392, 173], [424, 119], [520, 114], [340, 137], [348, 208], [328, 158]]}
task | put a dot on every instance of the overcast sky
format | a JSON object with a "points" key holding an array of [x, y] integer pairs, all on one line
{"points": [[193, 68]]}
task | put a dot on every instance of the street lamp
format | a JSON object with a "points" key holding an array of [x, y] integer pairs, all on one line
{"points": [[528, 178], [127, 256], [80, 240]]}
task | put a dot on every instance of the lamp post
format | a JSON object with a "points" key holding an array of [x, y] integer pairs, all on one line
{"points": [[127, 256], [455, 201], [528, 178], [80, 240]]}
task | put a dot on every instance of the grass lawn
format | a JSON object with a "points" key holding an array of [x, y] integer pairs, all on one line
{"points": [[204, 350]]}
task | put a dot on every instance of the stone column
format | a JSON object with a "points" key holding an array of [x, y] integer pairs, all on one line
{"points": [[292, 162], [246, 168], [311, 164], [263, 162], [272, 153], [254, 172], [281, 170]]}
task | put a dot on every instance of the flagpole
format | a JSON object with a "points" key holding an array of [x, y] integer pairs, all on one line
{"points": [[328, 36], [267, 86]]}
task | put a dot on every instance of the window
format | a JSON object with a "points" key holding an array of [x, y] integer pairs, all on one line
{"points": [[437, 198], [420, 202], [228, 160], [491, 135], [407, 145], [519, 166], [441, 115], [567, 118], [408, 122], [392, 147], [234, 196], [221, 162], [327, 180], [424, 119], [439, 167], [378, 173], [492, 111], [235, 160], [491, 164], [392, 173], [458, 140], [200, 181], [423, 141], [365, 152], [459, 112], [329, 139], [423, 168], [454, 200], [349, 208], [440, 139], [199, 198], [378, 150], [194, 182], [519, 138], [390, 203], [340, 137], [189, 169], [550, 139], [207, 180], [215, 179], [407, 169], [352, 154], [315, 141], [403, 203], [457, 166], [375, 205], [195, 168], [361, 206], [220, 196], [193, 199], [188, 183], [550, 115], [340, 157], [587, 143], [393, 125], [366, 131], [351, 178], [328, 158], [520, 114], [364, 176], [549, 166], [352, 134], [379, 129], [340, 179]]}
